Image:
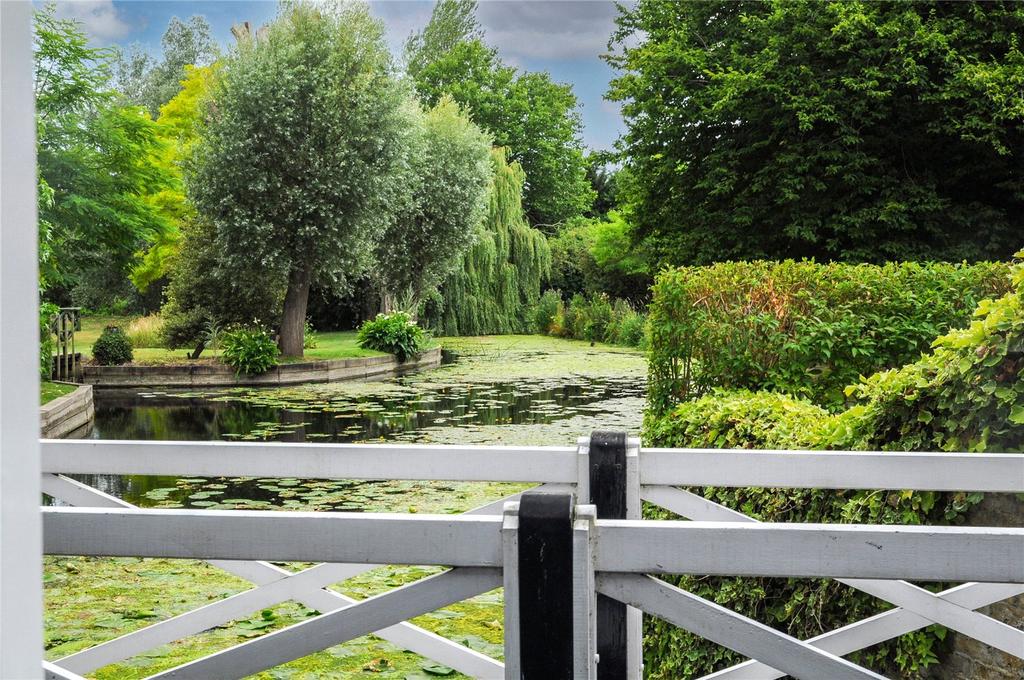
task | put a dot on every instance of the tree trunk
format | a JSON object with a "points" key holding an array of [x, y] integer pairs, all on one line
{"points": [[198, 350], [387, 302], [293, 317]]}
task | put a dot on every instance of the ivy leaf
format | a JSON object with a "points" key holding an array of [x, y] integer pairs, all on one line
{"points": [[1017, 415]]}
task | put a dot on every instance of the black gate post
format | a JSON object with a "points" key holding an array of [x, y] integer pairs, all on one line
{"points": [[545, 570], [608, 493]]}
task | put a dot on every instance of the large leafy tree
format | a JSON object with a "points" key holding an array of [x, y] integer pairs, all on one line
{"points": [[848, 130], [304, 143], [446, 191], [536, 119], [97, 159]]}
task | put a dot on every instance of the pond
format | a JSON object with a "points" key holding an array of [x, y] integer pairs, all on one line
{"points": [[524, 390]]}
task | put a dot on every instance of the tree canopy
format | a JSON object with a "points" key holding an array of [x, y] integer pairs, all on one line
{"points": [[96, 159], [177, 126], [304, 142], [449, 170], [152, 83], [499, 278], [853, 131], [536, 119]]}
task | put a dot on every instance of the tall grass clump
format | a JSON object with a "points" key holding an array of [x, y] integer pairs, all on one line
{"points": [[146, 331]]}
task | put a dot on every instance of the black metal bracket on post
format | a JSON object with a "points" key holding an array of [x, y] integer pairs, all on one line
{"points": [[608, 493], [545, 586]]}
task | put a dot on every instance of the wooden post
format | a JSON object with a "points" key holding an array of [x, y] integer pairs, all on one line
{"points": [[613, 485], [608, 493], [545, 588]]}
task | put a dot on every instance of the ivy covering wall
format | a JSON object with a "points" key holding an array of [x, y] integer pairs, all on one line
{"points": [[498, 282]]}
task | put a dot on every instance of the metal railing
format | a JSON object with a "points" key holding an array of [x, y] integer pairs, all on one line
{"points": [[593, 546]]}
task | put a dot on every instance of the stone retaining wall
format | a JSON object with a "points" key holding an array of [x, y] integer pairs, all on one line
{"points": [[217, 375], [67, 416]]}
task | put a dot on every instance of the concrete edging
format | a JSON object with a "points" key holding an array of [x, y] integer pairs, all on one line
{"points": [[63, 416], [217, 375]]}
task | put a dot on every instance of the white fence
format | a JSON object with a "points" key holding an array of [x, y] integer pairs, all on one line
{"points": [[613, 557]]}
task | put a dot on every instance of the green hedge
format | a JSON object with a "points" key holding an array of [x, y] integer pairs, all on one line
{"points": [[967, 395], [802, 328]]}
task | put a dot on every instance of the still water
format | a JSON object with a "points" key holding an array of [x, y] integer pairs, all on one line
{"points": [[552, 399]]}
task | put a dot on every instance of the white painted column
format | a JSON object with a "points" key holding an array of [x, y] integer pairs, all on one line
{"points": [[21, 635]]}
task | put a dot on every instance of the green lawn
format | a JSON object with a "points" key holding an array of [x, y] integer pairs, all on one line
{"points": [[334, 345], [48, 391]]}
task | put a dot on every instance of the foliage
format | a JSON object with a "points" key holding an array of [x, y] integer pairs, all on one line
{"points": [[548, 307], [394, 333], [966, 395], [597, 256], [248, 350], [47, 343], [801, 328], [146, 331], [202, 295], [112, 348], [858, 131], [152, 84], [499, 279], [535, 118], [309, 340], [627, 326], [596, 319], [435, 220], [177, 126], [602, 178], [301, 152], [96, 159]]}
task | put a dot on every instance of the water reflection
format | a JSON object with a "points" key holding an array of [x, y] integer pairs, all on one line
{"points": [[395, 411], [268, 416]]}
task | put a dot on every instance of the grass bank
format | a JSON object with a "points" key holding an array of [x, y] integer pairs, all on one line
{"points": [[332, 345], [48, 391]]}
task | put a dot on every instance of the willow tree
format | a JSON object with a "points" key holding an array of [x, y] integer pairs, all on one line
{"points": [[499, 279], [303, 143]]}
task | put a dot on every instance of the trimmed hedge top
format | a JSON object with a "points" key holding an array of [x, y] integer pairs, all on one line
{"points": [[802, 328]]}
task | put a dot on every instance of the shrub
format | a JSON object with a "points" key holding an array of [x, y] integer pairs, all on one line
{"points": [[146, 331], [626, 326], [546, 310], [113, 347], [248, 350], [802, 328], [394, 333], [966, 395], [47, 345], [309, 340]]}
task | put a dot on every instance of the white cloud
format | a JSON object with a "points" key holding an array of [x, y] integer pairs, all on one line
{"points": [[99, 18], [548, 30]]}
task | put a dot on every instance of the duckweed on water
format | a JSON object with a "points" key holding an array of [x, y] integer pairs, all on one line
{"points": [[501, 390]]}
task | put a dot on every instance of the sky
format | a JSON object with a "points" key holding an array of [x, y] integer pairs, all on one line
{"points": [[564, 38]]}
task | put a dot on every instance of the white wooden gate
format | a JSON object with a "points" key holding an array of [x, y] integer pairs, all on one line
{"points": [[618, 558]]}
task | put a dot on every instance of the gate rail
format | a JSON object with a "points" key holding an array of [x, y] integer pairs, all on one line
{"points": [[611, 556]]}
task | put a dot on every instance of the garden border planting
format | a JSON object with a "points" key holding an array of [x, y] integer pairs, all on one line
{"points": [[215, 375]]}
